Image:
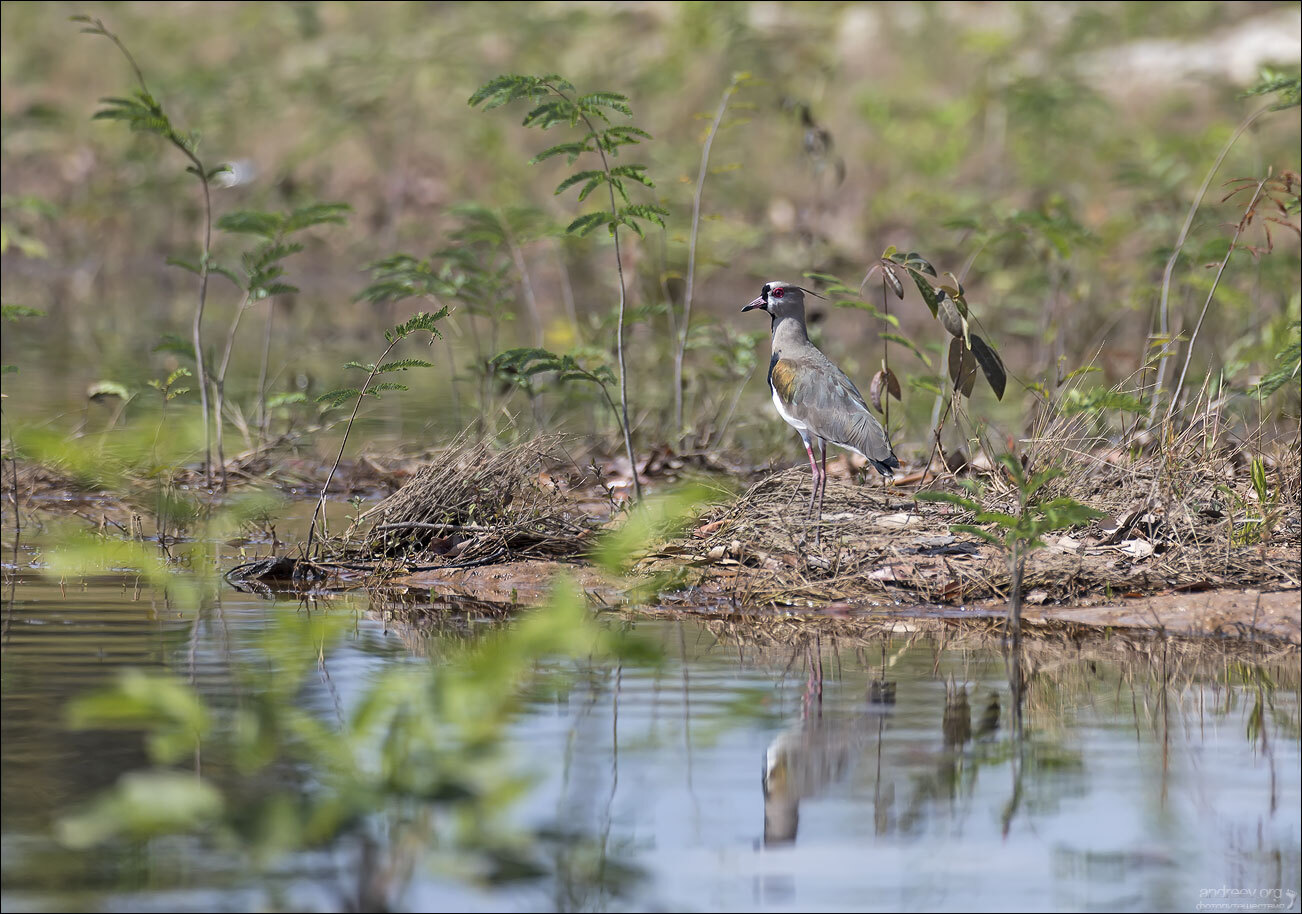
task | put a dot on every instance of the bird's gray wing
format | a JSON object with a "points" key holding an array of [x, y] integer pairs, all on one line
{"points": [[832, 407]]}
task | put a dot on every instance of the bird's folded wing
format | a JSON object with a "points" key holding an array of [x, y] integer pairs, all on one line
{"points": [[831, 406]]}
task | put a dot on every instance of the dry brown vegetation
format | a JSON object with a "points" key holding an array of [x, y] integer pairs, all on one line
{"points": [[1160, 534]]}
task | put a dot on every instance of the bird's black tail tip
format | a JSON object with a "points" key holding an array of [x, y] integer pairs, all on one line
{"points": [[886, 467]]}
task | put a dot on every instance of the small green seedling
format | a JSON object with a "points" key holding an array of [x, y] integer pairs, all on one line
{"points": [[419, 323], [1018, 535], [557, 102]]}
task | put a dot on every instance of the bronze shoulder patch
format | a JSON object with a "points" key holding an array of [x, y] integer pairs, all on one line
{"points": [[782, 376]]}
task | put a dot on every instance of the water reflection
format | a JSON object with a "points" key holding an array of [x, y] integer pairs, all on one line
{"points": [[817, 751], [912, 771]]}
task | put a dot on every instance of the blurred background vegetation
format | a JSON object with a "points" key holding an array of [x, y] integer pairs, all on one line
{"points": [[1048, 153]]}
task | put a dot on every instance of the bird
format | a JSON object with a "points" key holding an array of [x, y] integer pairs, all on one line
{"points": [[815, 397]]}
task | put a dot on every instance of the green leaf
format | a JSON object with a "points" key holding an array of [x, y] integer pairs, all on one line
{"points": [[612, 100], [227, 273], [926, 386], [925, 290], [143, 804], [1065, 512], [634, 173], [1100, 400], [991, 365], [404, 364], [183, 264], [285, 399], [861, 305], [13, 313], [276, 288], [550, 113], [176, 345], [316, 214], [101, 389], [594, 175], [584, 225], [252, 222], [571, 151], [420, 322], [950, 498], [339, 396], [1287, 86], [1288, 366], [908, 344], [979, 533], [597, 182], [376, 389], [623, 135], [647, 211], [1007, 521]]}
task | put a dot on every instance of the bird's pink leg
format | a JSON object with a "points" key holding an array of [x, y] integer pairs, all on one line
{"points": [[813, 469], [822, 487]]}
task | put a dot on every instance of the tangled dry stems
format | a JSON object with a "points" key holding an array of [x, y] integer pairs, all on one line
{"points": [[475, 504]]}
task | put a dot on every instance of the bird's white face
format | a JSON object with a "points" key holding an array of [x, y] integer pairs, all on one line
{"points": [[779, 299]]}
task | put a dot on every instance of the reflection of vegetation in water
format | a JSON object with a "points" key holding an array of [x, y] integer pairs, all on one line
{"points": [[413, 768], [1168, 692]]}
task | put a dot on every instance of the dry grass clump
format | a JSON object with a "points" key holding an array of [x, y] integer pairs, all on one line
{"points": [[475, 504]]}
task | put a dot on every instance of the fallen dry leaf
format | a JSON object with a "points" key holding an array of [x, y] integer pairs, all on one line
{"points": [[898, 520]]}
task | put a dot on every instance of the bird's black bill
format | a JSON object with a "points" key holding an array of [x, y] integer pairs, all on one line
{"points": [[757, 303]]}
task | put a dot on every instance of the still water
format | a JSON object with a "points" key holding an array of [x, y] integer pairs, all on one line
{"points": [[855, 769]]}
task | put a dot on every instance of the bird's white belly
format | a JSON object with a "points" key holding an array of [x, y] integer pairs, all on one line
{"points": [[786, 416]]}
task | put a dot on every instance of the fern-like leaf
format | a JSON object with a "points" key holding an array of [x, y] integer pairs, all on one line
{"points": [[403, 365], [423, 321], [584, 225]]}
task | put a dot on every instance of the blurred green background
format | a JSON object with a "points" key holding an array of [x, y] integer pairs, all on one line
{"points": [[1048, 152]]}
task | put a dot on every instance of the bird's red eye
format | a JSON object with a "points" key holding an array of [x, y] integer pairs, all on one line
{"points": [[776, 293]]}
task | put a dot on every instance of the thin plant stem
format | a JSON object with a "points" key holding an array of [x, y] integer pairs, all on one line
{"points": [[1164, 313], [691, 256], [13, 492], [623, 300], [197, 327], [264, 417], [200, 172], [935, 434], [732, 408], [219, 385], [1211, 293], [526, 284], [567, 289], [319, 511], [1016, 569], [886, 357]]}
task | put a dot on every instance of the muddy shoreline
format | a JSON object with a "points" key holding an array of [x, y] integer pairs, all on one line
{"points": [[882, 558]]}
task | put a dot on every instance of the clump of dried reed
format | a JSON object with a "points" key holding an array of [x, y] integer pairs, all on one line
{"points": [[475, 504]]}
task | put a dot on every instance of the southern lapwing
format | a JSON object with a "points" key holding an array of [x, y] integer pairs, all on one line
{"points": [[813, 395]]}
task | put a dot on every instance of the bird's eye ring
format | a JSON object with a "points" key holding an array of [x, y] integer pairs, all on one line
{"points": [[776, 293]]}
